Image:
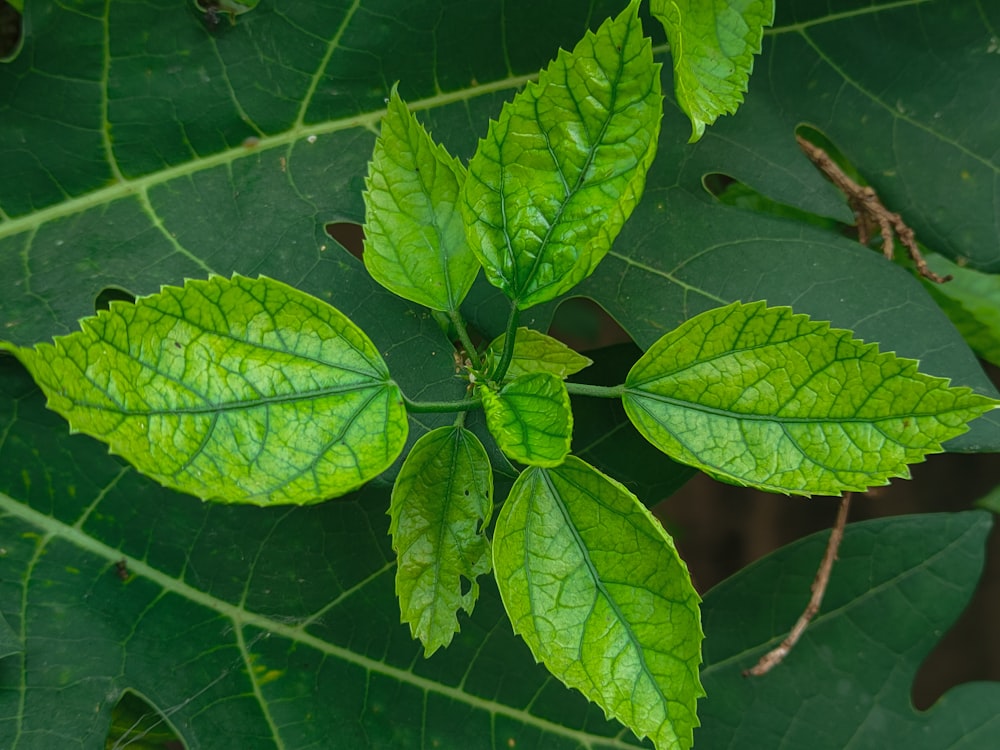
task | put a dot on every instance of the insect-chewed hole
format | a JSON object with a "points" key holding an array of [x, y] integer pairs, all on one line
{"points": [[465, 584], [11, 31], [349, 235], [134, 720], [111, 294]]}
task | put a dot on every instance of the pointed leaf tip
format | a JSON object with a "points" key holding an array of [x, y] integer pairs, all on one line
{"points": [[764, 397], [595, 587], [237, 390], [560, 171]]}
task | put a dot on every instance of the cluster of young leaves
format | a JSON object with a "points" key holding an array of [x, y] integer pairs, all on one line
{"points": [[245, 390]]}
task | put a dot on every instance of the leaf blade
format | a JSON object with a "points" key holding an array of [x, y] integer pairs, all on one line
{"points": [[763, 397], [560, 171], [414, 236], [441, 502], [711, 70], [572, 552], [531, 418], [241, 390], [536, 352]]}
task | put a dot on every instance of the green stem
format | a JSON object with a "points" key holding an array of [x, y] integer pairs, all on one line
{"points": [[508, 345], [441, 407], [597, 391], [463, 336]]}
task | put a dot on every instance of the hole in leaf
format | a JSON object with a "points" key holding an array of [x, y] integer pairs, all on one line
{"points": [[11, 31], [349, 235], [582, 324], [135, 723], [734, 193], [111, 294], [465, 585]]}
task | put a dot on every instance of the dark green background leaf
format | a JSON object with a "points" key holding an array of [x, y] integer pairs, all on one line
{"points": [[138, 148], [898, 584]]}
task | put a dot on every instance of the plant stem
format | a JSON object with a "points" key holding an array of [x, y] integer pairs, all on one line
{"points": [[597, 391], [441, 407], [508, 345], [463, 336], [774, 657]]}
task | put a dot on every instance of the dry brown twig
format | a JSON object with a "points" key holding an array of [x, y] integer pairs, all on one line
{"points": [[774, 657], [869, 211]]}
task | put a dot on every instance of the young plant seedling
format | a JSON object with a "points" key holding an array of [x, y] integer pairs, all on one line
{"points": [[245, 390]]}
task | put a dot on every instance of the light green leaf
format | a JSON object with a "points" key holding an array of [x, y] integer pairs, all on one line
{"points": [[595, 587], [713, 43], [414, 235], [530, 418], [759, 396], [972, 301], [441, 503], [241, 390], [561, 170], [536, 352]]}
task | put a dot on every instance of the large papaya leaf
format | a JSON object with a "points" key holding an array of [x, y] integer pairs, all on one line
{"points": [[867, 642], [241, 390]]}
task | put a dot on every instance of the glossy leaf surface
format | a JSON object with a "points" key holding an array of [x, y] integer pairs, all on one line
{"points": [[713, 45], [414, 235], [441, 504], [560, 171], [763, 397], [530, 418], [536, 352], [241, 390], [593, 584]]}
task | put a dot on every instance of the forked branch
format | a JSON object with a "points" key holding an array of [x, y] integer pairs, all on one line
{"points": [[870, 213]]}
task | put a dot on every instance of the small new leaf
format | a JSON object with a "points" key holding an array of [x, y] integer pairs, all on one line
{"points": [[536, 352], [441, 502], [236, 390], [530, 418], [713, 43], [561, 170], [760, 396], [595, 587], [414, 234]]}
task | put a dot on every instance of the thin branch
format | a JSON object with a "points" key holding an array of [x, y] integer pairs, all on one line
{"points": [[870, 213], [774, 657]]}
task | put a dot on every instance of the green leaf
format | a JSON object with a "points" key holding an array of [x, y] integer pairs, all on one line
{"points": [[595, 587], [897, 586], [991, 501], [277, 626], [530, 418], [536, 352], [565, 164], [10, 642], [759, 396], [241, 390], [414, 235], [713, 45], [972, 301], [441, 503]]}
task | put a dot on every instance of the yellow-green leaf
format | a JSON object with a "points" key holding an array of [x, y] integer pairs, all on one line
{"points": [[536, 352], [237, 390], [441, 502], [595, 587], [759, 396], [560, 171], [530, 418], [414, 235]]}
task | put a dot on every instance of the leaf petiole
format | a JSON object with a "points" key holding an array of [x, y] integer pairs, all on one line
{"points": [[463, 335], [596, 391], [440, 407], [508, 345]]}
